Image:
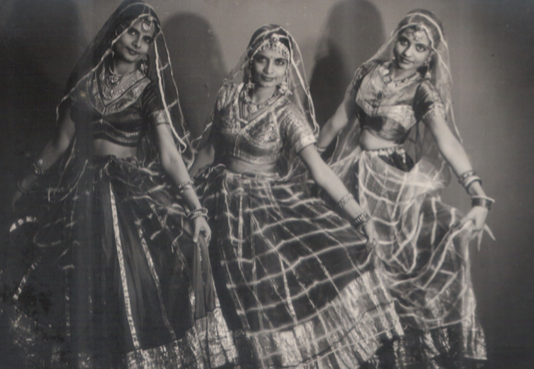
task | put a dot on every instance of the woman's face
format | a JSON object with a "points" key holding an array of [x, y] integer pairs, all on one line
{"points": [[268, 68], [134, 44], [412, 49]]}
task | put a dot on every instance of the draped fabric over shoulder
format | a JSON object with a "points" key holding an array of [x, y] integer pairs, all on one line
{"points": [[102, 270], [294, 278], [421, 256]]}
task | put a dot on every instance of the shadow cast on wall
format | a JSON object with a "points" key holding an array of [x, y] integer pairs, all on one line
{"points": [[198, 66], [40, 44], [353, 33]]}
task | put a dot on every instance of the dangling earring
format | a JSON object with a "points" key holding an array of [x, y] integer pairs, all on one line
{"points": [[143, 65], [283, 86], [250, 82]]}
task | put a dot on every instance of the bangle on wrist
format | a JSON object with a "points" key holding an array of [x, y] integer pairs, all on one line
{"points": [[184, 186], [24, 191], [196, 213], [462, 177], [37, 168], [483, 201], [466, 179], [360, 220], [320, 149], [344, 200]]}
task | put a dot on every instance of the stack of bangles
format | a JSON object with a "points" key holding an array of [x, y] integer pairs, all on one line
{"points": [[358, 220], [466, 179], [196, 213]]}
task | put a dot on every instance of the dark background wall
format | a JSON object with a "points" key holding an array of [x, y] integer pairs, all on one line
{"points": [[492, 55]]}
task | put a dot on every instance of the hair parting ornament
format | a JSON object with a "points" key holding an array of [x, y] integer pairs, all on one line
{"points": [[273, 43], [274, 38]]}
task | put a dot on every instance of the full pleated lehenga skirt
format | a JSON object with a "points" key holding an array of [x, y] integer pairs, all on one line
{"points": [[423, 259], [109, 277], [295, 279]]}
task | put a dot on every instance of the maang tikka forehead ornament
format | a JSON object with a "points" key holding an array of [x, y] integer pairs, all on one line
{"points": [[273, 43], [148, 23]]}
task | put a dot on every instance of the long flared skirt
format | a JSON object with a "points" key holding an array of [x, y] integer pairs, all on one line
{"points": [[294, 278], [105, 279], [423, 259]]}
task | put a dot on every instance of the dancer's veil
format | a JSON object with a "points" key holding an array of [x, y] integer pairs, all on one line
{"points": [[298, 90], [420, 143], [159, 71]]}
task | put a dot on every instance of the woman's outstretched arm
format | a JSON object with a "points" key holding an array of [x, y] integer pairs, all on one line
{"points": [[175, 168], [49, 156], [454, 152], [328, 181]]}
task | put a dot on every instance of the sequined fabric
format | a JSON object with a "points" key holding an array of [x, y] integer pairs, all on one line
{"points": [[262, 138], [386, 106], [293, 277], [125, 119]]}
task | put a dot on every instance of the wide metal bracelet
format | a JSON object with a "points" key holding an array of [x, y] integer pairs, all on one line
{"points": [[361, 219], [482, 201]]}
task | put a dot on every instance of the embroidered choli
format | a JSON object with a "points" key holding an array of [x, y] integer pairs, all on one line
{"points": [[122, 120], [263, 137], [389, 108]]}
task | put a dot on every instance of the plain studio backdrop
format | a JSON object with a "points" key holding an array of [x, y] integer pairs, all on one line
{"points": [[492, 59]]}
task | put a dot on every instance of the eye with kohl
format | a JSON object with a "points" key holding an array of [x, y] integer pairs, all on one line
{"points": [[134, 44], [268, 68], [412, 50]]}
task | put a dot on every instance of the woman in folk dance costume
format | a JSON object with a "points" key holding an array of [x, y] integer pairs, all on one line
{"points": [[293, 276], [118, 274], [398, 107]]}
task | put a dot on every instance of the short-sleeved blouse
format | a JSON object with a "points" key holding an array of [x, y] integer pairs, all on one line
{"points": [[263, 138], [124, 119], [390, 108]]}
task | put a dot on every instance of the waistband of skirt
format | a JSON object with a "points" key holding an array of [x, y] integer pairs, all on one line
{"points": [[386, 151], [252, 175]]}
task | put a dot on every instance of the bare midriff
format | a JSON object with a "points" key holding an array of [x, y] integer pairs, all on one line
{"points": [[107, 148], [368, 141], [241, 166]]}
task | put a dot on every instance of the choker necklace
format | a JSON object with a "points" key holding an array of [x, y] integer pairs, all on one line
{"points": [[396, 81], [251, 107]]}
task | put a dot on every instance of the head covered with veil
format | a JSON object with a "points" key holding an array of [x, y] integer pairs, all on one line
{"points": [[294, 87], [420, 142], [155, 65]]}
